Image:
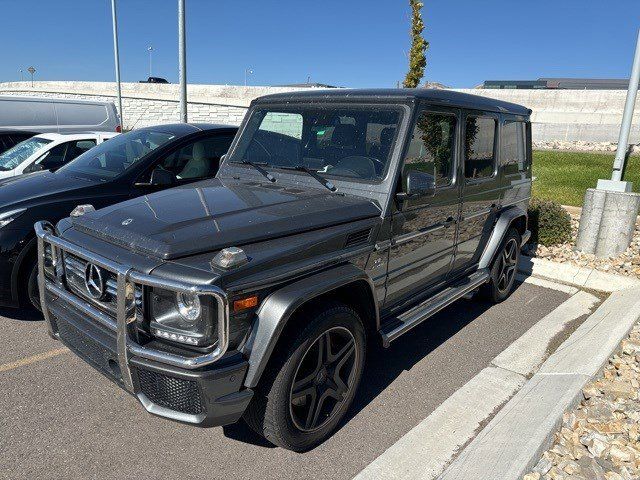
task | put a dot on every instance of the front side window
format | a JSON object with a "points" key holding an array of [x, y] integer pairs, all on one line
{"points": [[479, 159], [432, 145], [348, 142], [110, 159], [20, 152], [200, 159]]}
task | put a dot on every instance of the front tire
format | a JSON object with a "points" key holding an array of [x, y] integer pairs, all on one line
{"points": [[31, 292], [503, 269], [310, 384]]}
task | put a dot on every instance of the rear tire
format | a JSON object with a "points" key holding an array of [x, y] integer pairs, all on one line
{"points": [[311, 381], [504, 268]]}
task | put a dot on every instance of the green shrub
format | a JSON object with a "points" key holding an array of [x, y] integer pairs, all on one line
{"points": [[550, 224]]}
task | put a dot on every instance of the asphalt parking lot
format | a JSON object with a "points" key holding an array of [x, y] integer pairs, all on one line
{"points": [[61, 419]]}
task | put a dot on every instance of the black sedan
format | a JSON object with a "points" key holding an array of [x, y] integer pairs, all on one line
{"points": [[129, 165]]}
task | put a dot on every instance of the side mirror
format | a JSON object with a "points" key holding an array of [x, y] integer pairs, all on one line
{"points": [[420, 184], [222, 158], [162, 178]]}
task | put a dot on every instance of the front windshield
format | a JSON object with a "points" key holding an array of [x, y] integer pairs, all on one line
{"points": [[20, 152], [349, 142], [113, 157]]}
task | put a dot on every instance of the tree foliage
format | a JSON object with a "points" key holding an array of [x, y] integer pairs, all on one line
{"points": [[419, 46]]}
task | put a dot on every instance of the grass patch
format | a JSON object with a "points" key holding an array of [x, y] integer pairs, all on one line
{"points": [[565, 176]]}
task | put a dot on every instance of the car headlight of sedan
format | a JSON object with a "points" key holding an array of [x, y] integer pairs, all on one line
{"points": [[183, 317], [7, 217]]}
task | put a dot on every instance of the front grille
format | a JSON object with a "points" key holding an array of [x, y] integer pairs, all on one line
{"points": [[90, 350], [75, 267], [173, 393]]}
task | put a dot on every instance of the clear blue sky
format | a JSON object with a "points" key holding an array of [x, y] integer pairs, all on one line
{"points": [[354, 43]]}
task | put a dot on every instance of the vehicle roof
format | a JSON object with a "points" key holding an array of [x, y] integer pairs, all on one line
{"points": [[75, 136], [441, 97], [188, 128], [53, 100]]}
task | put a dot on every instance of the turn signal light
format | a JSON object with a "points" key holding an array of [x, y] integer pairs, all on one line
{"points": [[245, 303]]}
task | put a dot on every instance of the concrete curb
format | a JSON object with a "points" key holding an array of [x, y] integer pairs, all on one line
{"points": [[425, 451], [511, 444], [582, 277]]}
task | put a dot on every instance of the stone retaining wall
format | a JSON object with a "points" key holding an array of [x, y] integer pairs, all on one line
{"points": [[563, 119]]}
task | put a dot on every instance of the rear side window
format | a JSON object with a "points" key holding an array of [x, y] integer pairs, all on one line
{"points": [[81, 114], [24, 113], [432, 146], [513, 149], [479, 158]]}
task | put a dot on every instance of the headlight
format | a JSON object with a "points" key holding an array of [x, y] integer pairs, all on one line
{"points": [[8, 217], [189, 306], [183, 318]]}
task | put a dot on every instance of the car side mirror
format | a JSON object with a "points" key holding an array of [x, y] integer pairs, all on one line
{"points": [[222, 158], [161, 177], [420, 184]]}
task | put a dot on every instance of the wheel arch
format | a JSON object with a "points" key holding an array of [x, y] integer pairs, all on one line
{"points": [[346, 283], [511, 217]]}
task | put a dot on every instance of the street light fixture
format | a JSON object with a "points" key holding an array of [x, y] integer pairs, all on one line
{"points": [[247, 71]]}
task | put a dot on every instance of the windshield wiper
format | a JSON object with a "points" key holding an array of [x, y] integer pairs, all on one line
{"points": [[301, 168], [257, 166]]}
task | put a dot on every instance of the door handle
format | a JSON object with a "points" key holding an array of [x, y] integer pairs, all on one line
{"points": [[448, 222]]}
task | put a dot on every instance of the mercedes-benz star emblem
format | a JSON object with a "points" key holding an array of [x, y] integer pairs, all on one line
{"points": [[93, 281], [127, 221]]}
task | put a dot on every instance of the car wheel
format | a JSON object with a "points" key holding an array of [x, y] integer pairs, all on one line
{"points": [[504, 268], [33, 293], [310, 384]]}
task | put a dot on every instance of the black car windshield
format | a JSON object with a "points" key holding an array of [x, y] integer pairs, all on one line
{"points": [[20, 152], [116, 155], [349, 142]]}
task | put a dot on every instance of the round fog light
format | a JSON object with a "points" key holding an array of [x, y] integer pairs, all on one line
{"points": [[188, 306]]}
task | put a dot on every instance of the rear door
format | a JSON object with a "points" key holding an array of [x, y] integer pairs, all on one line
{"points": [[424, 228], [480, 187]]}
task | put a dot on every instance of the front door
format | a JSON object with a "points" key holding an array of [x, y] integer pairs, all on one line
{"points": [[480, 188], [424, 228]]}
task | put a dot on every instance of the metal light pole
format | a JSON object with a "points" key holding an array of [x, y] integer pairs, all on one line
{"points": [[609, 211], [150, 50], [116, 56], [247, 71], [627, 117], [21, 75], [182, 56]]}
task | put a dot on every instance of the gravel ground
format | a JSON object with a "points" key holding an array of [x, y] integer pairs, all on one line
{"points": [[600, 439], [627, 263]]}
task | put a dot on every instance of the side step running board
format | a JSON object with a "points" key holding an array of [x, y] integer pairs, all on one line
{"points": [[431, 306]]}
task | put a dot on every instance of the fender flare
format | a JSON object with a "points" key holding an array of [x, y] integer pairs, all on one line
{"points": [[279, 306], [505, 220]]}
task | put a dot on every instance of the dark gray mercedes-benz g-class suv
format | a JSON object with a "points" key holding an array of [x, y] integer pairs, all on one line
{"points": [[337, 217]]}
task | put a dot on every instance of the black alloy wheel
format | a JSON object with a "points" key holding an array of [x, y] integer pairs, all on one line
{"points": [[323, 379]]}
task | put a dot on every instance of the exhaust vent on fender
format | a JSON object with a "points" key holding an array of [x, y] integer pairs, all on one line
{"points": [[360, 237]]}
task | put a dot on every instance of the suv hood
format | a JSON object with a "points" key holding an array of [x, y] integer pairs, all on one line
{"points": [[214, 214]]}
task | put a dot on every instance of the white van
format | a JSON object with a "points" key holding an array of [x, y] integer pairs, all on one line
{"points": [[42, 115], [48, 151]]}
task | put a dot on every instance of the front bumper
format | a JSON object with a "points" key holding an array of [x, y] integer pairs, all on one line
{"points": [[205, 390]]}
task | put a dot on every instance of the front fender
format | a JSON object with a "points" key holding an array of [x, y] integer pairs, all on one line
{"points": [[277, 309], [505, 220]]}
